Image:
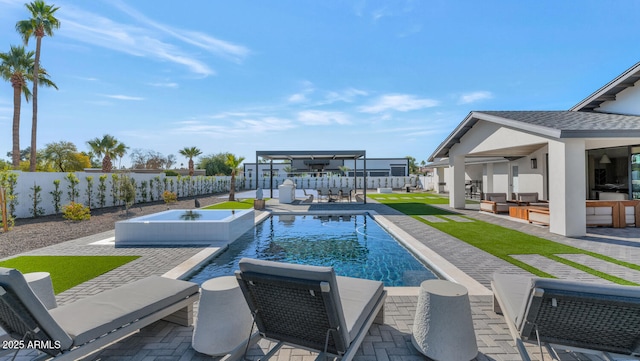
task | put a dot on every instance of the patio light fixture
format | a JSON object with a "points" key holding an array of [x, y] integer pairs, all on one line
{"points": [[605, 159], [534, 163]]}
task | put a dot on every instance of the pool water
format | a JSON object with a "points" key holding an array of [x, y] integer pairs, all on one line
{"points": [[354, 245]]}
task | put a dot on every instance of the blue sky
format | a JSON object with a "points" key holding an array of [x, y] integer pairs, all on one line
{"points": [[391, 77]]}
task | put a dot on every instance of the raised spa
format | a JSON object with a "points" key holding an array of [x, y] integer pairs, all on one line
{"points": [[182, 227]]}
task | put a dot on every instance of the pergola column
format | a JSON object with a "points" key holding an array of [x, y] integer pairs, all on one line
{"points": [[567, 206]]}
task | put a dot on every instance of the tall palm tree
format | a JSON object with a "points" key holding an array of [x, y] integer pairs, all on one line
{"points": [[190, 153], [17, 66], [233, 162], [41, 23], [109, 147]]}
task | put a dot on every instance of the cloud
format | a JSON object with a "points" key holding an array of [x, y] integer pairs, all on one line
{"points": [[144, 40], [301, 96], [164, 85], [399, 102], [297, 98], [474, 97], [348, 95], [319, 117], [122, 97], [237, 127], [216, 46]]}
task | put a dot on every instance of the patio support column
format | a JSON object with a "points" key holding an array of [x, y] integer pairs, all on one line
{"points": [[567, 206], [488, 185], [439, 179], [456, 191]]}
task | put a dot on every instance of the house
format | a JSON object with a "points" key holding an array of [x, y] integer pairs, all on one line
{"points": [[591, 151]]}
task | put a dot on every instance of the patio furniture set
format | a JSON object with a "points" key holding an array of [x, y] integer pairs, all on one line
{"points": [[309, 307], [527, 206]]}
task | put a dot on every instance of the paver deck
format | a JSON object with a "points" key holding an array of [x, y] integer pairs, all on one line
{"points": [[390, 341]]}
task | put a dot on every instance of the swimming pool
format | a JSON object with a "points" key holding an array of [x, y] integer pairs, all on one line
{"points": [[354, 245]]}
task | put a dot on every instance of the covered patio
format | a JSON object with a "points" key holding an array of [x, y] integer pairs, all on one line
{"points": [[545, 152]]}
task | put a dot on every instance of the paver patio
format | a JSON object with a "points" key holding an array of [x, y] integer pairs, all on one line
{"points": [[390, 341]]}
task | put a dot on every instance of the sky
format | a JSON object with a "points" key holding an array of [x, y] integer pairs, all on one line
{"points": [[393, 78]]}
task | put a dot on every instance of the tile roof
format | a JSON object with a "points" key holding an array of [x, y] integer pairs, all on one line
{"points": [[571, 121], [553, 124]]}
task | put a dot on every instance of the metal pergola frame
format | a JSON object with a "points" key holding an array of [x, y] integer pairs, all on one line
{"points": [[272, 155]]}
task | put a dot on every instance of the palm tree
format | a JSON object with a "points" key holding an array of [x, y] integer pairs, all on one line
{"points": [[17, 66], [233, 162], [41, 23], [190, 153], [109, 147]]}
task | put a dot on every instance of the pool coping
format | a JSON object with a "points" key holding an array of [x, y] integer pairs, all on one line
{"points": [[437, 263]]}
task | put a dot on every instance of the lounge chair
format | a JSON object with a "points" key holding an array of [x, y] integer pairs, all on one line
{"points": [[495, 203], [310, 307], [80, 328], [568, 315]]}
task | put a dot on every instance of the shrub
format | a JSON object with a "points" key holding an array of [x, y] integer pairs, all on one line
{"points": [[76, 212], [171, 173], [169, 197]]}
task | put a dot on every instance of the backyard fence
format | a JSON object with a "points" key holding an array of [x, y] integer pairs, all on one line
{"points": [[34, 194]]}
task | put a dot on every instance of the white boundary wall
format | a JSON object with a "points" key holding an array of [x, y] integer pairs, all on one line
{"points": [[183, 186]]}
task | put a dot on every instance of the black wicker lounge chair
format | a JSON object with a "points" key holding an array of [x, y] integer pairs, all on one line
{"points": [[77, 329], [573, 316], [309, 307]]}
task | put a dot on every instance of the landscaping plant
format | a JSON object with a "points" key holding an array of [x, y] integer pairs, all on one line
{"points": [[76, 212], [169, 197], [56, 193], [89, 191], [73, 192], [36, 198], [102, 190]]}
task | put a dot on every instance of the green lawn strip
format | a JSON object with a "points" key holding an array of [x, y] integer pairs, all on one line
{"points": [[238, 204], [503, 242], [419, 198], [592, 271], [68, 271]]}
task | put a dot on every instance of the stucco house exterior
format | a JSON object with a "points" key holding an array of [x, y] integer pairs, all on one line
{"points": [[590, 151]]}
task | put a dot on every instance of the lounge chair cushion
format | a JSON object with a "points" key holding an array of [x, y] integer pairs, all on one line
{"points": [[94, 316], [512, 290], [14, 280], [498, 199], [313, 273], [358, 297], [529, 198]]}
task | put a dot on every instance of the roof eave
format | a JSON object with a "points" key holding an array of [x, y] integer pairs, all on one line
{"points": [[607, 90]]}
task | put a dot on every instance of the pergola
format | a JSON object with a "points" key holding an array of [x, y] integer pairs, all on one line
{"points": [[316, 155]]}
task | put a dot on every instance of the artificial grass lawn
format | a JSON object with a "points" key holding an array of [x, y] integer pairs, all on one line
{"points": [[67, 271], [238, 204], [496, 240]]}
